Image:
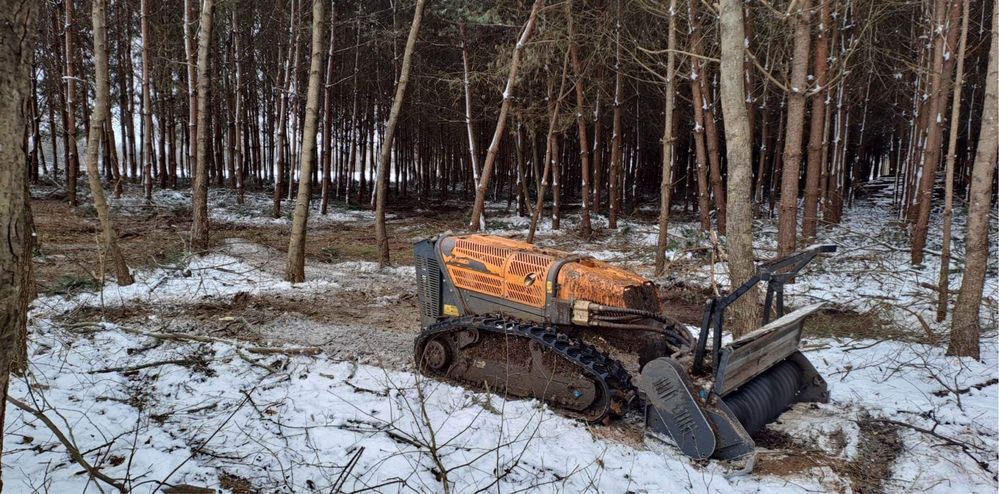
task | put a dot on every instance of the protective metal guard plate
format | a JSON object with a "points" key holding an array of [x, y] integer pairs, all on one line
{"points": [[754, 353]]}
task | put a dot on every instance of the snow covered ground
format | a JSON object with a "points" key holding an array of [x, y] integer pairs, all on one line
{"points": [[149, 410]]}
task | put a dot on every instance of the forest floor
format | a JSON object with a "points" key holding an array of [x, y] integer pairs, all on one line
{"points": [[211, 371]]}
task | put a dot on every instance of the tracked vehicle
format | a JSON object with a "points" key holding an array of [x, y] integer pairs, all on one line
{"points": [[593, 341]]}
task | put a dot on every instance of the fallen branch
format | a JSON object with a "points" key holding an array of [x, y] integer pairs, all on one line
{"points": [[984, 465], [960, 391], [261, 350], [74, 453], [187, 361]]}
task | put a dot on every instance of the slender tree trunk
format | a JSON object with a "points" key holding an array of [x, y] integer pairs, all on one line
{"points": [[487, 168], [555, 104], [296, 245], [598, 132], [238, 109], [17, 28], [327, 160], [943, 291], [699, 104], [147, 105], [523, 194], [666, 187], [614, 178], [714, 153], [556, 159], [98, 117], [816, 136], [939, 83], [199, 189], [190, 51], [473, 147], [72, 153], [282, 155], [787, 226], [384, 160], [585, 227], [740, 168], [965, 328]]}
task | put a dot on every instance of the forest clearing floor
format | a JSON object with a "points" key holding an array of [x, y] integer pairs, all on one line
{"points": [[212, 371]]}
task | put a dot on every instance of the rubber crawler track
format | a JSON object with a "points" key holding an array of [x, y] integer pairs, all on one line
{"points": [[607, 373]]}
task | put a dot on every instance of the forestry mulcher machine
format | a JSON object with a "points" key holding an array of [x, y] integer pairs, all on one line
{"points": [[517, 320]]}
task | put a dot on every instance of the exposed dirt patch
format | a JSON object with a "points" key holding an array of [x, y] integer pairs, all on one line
{"points": [[67, 246], [684, 303], [873, 324], [879, 445], [869, 470], [236, 484]]}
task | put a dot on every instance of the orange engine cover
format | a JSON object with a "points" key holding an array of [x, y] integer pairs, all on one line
{"points": [[522, 272]]}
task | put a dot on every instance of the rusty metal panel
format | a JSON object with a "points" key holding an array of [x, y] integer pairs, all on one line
{"points": [[596, 281]]}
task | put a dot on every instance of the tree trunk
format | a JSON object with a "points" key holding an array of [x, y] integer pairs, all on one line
{"points": [[943, 285], [199, 189], [787, 227], [666, 187], [614, 177], [740, 168], [384, 159], [816, 136], [714, 158], [473, 147], [555, 104], [327, 160], [487, 168], [72, 153], [965, 328], [282, 125], [585, 227], [17, 28], [598, 132], [699, 104], [238, 109], [296, 245], [147, 105], [190, 51], [939, 83], [98, 117]]}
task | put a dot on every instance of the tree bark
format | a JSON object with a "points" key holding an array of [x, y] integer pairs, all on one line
{"points": [[555, 104], [147, 105], [714, 158], [237, 128], [384, 160], [327, 160], [816, 136], [943, 285], [965, 328], [190, 51], [473, 146], [98, 117], [72, 153], [698, 102], [585, 227], [787, 226], [296, 245], [199, 189], [740, 168], [939, 83], [487, 168], [666, 187], [17, 28], [617, 152]]}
